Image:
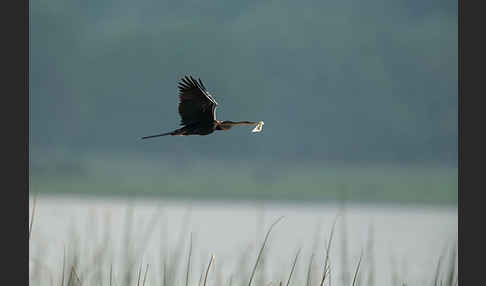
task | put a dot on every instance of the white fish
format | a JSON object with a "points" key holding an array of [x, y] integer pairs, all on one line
{"points": [[258, 127]]}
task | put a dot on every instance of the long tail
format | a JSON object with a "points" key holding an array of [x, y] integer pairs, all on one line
{"points": [[158, 135]]}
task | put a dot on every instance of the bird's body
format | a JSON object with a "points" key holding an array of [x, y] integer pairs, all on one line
{"points": [[197, 109]]}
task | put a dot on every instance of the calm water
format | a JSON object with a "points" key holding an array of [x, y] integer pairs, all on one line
{"points": [[398, 243]]}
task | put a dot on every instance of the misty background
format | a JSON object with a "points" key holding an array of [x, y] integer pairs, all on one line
{"points": [[359, 99]]}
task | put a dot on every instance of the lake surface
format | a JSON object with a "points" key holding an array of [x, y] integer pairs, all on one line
{"points": [[397, 243]]}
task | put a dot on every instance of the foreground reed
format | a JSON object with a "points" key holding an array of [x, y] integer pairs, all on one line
{"points": [[170, 270]]}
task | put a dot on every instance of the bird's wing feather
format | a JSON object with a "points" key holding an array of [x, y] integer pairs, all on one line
{"points": [[195, 102]]}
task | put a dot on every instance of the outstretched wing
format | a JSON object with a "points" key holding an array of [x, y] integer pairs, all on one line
{"points": [[195, 102]]}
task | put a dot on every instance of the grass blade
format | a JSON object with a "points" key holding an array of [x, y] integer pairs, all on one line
{"points": [[111, 274], [165, 273], [63, 265], [189, 260], [308, 282], [145, 275], [261, 250], [201, 277], [207, 270], [293, 267], [357, 270], [437, 272], [452, 266], [32, 215], [230, 280], [326, 263], [139, 273]]}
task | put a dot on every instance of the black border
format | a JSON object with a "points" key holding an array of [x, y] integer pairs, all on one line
{"points": [[470, 74], [15, 134]]}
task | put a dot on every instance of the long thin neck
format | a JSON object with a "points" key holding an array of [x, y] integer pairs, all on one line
{"points": [[234, 123]]}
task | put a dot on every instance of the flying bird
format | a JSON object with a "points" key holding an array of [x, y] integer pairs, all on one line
{"points": [[197, 109]]}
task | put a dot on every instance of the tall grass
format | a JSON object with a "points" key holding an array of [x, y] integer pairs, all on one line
{"points": [[100, 269]]}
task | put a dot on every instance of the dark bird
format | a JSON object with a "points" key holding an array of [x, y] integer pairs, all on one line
{"points": [[197, 109]]}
